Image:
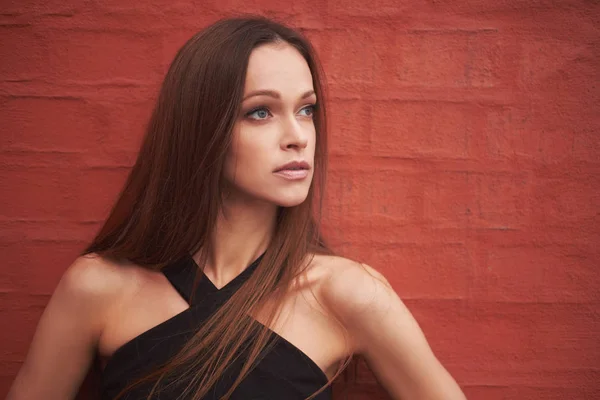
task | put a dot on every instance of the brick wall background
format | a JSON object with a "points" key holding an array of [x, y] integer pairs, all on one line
{"points": [[464, 164]]}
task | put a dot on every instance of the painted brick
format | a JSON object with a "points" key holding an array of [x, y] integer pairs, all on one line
{"points": [[544, 59], [173, 41], [375, 207], [308, 15], [33, 158], [41, 123], [96, 56], [537, 274], [17, 230], [544, 132], [396, 198], [586, 145], [500, 139], [555, 146], [19, 65], [147, 7], [503, 200], [352, 193], [353, 56], [376, 8], [226, 7], [362, 390], [388, 233], [560, 109], [431, 271], [11, 280], [440, 58], [9, 371], [323, 47], [564, 201], [348, 236], [126, 124], [40, 264], [359, 250], [111, 157], [528, 392], [505, 344], [449, 198], [43, 7], [413, 129], [349, 133], [346, 208], [372, 391], [38, 193], [98, 199], [484, 7], [20, 315]]}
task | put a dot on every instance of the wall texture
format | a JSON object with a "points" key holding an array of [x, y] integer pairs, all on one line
{"points": [[464, 164]]}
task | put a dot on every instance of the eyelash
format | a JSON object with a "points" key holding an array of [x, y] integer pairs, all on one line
{"points": [[249, 113]]}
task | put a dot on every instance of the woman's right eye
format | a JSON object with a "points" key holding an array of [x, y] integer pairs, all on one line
{"points": [[260, 113]]}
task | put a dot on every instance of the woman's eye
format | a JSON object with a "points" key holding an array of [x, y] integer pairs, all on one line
{"points": [[310, 108], [263, 113], [260, 113]]}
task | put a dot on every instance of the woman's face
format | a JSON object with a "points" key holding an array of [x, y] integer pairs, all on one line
{"points": [[275, 128]]}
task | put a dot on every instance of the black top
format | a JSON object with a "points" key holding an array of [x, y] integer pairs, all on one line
{"points": [[285, 372]]}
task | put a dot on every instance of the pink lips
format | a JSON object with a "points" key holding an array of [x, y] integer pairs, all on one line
{"points": [[293, 175], [294, 170]]}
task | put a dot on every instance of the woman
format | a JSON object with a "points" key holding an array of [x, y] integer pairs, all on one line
{"points": [[210, 278]]}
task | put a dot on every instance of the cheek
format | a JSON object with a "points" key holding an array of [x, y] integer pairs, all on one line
{"points": [[248, 153], [247, 158]]}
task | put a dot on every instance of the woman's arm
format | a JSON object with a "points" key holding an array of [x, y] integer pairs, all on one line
{"points": [[64, 344], [385, 333]]}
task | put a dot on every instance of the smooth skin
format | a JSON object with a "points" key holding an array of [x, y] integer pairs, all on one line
{"points": [[348, 307]]}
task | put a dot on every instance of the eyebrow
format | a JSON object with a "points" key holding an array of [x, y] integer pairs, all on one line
{"points": [[273, 94]]}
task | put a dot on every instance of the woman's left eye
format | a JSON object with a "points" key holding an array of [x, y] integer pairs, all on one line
{"points": [[311, 108], [262, 113]]}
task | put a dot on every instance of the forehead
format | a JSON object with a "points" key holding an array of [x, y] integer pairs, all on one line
{"points": [[278, 67]]}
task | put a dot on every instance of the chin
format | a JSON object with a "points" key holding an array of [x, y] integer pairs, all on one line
{"points": [[289, 204], [277, 196], [290, 200]]}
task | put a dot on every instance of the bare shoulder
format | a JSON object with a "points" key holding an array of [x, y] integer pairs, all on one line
{"points": [[383, 330], [355, 294], [96, 286], [94, 279], [72, 324], [349, 287]]}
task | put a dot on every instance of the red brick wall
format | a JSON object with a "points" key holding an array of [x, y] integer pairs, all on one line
{"points": [[464, 164]]}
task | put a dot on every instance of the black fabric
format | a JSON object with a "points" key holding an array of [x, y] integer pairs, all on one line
{"points": [[284, 372]]}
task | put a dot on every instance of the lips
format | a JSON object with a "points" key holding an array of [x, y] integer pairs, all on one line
{"points": [[294, 171], [293, 166]]}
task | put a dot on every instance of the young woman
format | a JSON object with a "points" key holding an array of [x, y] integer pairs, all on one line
{"points": [[210, 278]]}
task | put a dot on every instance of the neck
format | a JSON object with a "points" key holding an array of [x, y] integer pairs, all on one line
{"points": [[242, 233]]}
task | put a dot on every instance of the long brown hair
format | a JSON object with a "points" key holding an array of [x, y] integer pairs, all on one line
{"points": [[169, 204]]}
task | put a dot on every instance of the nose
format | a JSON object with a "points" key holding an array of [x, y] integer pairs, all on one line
{"points": [[295, 134]]}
